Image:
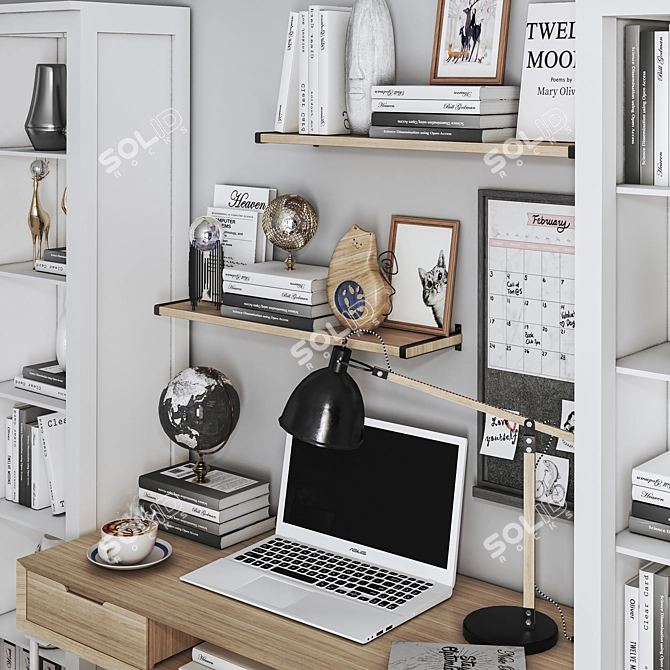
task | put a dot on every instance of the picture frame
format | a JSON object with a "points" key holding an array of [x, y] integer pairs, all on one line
{"points": [[470, 44], [425, 251]]}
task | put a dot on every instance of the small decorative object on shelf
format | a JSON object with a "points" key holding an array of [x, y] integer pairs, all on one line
{"points": [[199, 410], [39, 221], [46, 120], [63, 201], [61, 340], [358, 292], [369, 59], [205, 261], [289, 222]]}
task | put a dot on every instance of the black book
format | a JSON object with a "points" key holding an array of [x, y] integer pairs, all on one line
{"points": [[632, 103], [443, 134], [647, 77], [57, 255], [651, 512], [23, 416], [224, 489], [216, 541], [276, 306], [281, 320], [47, 373], [474, 121], [660, 531]]}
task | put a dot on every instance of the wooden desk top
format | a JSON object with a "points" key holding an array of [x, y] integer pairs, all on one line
{"points": [[158, 594]]}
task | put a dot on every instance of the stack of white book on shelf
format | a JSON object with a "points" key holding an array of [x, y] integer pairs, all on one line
{"points": [[311, 92], [227, 509], [650, 514], [270, 294], [44, 378], [445, 113], [207, 655], [53, 261]]}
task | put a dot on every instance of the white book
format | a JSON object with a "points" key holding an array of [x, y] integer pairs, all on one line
{"points": [[646, 614], [220, 659], [241, 242], [286, 119], [654, 474], [217, 516], [446, 92], [9, 655], [631, 610], [307, 278], [51, 268], [285, 295], [303, 74], [40, 498], [332, 103], [661, 112], [53, 433], [470, 107], [8, 494], [651, 496], [21, 382], [16, 449]]}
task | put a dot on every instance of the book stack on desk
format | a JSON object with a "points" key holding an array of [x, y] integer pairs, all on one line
{"points": [[651, 498], [228, 509], [268, 293], [207, 655], [445, 113]]}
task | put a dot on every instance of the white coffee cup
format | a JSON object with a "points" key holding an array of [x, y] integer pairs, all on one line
{"points": [[127, 541]]}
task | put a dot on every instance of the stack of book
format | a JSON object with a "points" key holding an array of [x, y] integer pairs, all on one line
{"points": [[646, 116], [311, 93], [207, 655], [54, 262], [651, 498], [44, 378], [445, 113], [268, 293], [35, 458], [228, 509], [17, 658]]}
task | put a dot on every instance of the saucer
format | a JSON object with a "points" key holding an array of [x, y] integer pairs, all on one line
{"points": [[161, 552]]}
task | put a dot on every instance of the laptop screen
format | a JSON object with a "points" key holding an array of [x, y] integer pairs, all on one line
{"points": [[394, 494]]}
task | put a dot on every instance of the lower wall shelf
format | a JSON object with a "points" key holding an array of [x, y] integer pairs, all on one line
{"points": [[9, 391], [641, 546], [399, 343]]}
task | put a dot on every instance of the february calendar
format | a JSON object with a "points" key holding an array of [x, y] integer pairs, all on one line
{"points": [[531, 289]]}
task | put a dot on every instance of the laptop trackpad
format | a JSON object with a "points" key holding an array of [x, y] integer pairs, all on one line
{"points": [[273, 592]]}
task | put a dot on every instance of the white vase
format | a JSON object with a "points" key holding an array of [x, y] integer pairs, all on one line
{"points": [[61, 340], [369, 60]]}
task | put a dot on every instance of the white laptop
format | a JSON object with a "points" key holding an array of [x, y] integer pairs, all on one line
{"points": [[365, 540]]}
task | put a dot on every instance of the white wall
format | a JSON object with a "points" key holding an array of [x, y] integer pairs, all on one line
{"points": [[236, 64]]}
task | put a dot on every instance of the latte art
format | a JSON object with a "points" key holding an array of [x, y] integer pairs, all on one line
{"points": [[129, 527]]}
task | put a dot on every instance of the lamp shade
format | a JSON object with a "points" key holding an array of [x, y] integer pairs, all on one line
{"points": [[326, 409]]}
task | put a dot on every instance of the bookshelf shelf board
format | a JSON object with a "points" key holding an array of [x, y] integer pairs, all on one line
{"points": [[9, 632], [399, 343], [8, 391], [652, 363], [25, 271], [641, 546], [29, 152], [546, 149], [40, 520], [639, 189]]}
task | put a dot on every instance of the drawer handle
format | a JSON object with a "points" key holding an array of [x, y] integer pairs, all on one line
{"points": [[83, 597]]}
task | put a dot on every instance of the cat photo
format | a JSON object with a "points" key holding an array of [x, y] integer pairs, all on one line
{"points": [[425, 254]]}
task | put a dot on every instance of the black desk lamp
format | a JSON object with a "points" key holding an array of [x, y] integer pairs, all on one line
{"points": [[327, 410]]}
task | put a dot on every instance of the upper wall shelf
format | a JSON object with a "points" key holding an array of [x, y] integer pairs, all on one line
{"points": [[29, 152], [641, 546], [652, 363], [399, 343], [546, 149]]}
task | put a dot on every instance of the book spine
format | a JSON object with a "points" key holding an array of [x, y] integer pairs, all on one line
{"points": [[43, 377], [51, 268], [280, 320], [631, 602], [26, 465], [41, 498], [646, 654], [313, 71], [272, 306], [253, 290], [52, 454], [303, 75], [661, 112], [428, 107], [332, 103], [242, 276], [632, 148], [55, 255], [9, 656], [154, 497], [647, 65], [286, 120], [651, 496], [649, 512], [650, 480], [156, 511], [428, 92], [660, 531], [189, 533], [16, 450], [149, 483], [430, 134], [39, 387], [660, 620], [8, 460], [403, 120], [204, 657]]}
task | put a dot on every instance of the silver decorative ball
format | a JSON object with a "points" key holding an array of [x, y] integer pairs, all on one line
{"points": [[205, 233], [39, 169]]}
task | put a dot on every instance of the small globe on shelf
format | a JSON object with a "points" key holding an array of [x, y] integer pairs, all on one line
{"points": [[199, 410]]}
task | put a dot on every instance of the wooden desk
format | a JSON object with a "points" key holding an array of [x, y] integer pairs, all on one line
{"points": [[179, 613]]}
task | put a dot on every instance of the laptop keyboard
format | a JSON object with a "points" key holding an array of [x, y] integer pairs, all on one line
{"points": [[331, 572]]}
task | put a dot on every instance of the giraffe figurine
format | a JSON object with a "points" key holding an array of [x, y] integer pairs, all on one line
{"points": [[39, 221]]}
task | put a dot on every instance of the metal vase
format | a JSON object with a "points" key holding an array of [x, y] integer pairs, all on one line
{"points": [[369, 60], [47, 118]]}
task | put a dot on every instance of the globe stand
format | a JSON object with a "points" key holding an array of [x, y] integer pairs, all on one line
{"points": [[201, 470], [290, 262]]}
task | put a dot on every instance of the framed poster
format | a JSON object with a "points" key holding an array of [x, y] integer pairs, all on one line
{"points": [[470, 42]]}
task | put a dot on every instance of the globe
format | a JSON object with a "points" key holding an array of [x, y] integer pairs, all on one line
{"points": [[199, 409]]}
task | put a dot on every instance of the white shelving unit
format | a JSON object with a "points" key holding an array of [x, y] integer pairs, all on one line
{"points": [[8, 631], [9, 392], [24, 271], [42, 521]]}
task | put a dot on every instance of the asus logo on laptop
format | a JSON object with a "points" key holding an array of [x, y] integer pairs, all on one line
{"points": [[358, 551]]}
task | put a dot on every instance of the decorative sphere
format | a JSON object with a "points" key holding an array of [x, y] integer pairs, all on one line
{"points": [[289, 222], [39, 169], [199, 409], [205, 233]]}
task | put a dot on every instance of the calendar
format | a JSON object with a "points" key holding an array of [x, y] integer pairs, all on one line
{"points": [[531, 289]]}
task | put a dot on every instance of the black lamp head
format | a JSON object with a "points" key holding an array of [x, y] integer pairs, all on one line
{"points": [[326, 409]]}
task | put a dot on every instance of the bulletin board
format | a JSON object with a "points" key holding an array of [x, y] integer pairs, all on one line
{"points": [[526, 325]]}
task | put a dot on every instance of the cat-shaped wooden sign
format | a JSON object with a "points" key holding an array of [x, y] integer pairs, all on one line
{"points": [[357, 292]]}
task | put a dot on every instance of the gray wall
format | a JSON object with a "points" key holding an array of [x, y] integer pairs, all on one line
{"points": [[236, 65]]}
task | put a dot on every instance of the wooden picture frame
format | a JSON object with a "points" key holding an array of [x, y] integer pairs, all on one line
{"points": [[424, 248], [453, 63]]}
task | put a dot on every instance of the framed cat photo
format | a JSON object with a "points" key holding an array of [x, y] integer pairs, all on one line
{"points": [[425, 251]]}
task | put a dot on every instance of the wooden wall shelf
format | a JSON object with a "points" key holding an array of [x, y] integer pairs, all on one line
{"points": [[546, 149], [399, 343]]}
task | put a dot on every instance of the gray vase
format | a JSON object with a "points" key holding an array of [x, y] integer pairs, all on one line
{"points": [[46, 120], [369, 60]]}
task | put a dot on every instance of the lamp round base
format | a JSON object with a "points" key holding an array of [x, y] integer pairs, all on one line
{"points": [[506, 626]]}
